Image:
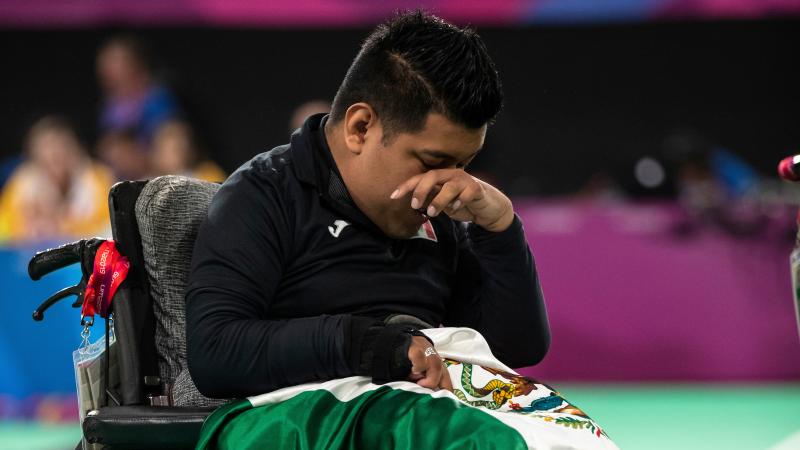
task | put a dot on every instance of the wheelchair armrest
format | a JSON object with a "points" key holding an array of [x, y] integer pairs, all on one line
{"points": [[137, 427]]}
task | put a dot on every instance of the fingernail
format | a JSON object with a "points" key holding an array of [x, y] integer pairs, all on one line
{"points": [[414, 203], [431, 211], [395, 194], [456, 204]]}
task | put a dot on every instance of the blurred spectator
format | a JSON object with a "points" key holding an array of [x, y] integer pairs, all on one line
{"points": [[301, 113], [133, 99], [57, 191], [124, 154], [175, 152], [601, 186], [715, 187]]}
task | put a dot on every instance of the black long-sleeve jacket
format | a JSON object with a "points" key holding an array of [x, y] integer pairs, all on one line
{"points": [[289, 280]]}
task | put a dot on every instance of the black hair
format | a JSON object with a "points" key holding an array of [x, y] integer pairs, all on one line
{"points": [[415, 64]]}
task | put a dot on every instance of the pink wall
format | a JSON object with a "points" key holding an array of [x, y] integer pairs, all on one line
{"points": [[629, 300]]}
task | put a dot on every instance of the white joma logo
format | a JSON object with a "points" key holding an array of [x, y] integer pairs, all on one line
{"points": [[337, 228]]}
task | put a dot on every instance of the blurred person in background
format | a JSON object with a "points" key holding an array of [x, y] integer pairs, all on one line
{"points": [[175, 151], [715, 187], [132, 98], [57, 191], [125, 155], [309, 108]]}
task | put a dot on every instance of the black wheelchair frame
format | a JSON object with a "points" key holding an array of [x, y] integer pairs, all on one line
{"points": [[134, 414]]}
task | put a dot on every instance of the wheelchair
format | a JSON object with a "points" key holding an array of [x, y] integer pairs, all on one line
{"points": [[151, 403]]}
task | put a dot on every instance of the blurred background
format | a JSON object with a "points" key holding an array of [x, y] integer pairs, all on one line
{"points": [[639, 141]]}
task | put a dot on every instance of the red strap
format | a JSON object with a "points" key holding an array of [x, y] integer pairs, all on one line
{"points": [[110, 270]]}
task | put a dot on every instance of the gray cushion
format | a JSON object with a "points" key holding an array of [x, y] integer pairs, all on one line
{"points": [[169, 211]]}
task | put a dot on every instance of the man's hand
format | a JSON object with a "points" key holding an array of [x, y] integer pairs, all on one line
{"points": [[427, 367], [460, 195]]}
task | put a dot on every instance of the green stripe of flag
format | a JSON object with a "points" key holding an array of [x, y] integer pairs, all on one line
{"points": [[379, 418]]}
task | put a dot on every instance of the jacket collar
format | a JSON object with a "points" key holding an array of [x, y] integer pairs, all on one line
{"points": [[315, 166], [303, 149]]}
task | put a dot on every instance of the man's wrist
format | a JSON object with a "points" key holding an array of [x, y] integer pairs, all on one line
{"points": [[414, 332], [361, 336], [384, 353], [502, 223], [496, 239]]}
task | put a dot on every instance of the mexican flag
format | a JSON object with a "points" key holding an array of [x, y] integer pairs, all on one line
{"points": [[491, 407]]}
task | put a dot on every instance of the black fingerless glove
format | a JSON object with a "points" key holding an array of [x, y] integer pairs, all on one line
{"points": [[384, 352]]}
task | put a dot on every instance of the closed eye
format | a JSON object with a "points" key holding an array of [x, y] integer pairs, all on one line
{"points": [[431, 165], [442, 165], [432, 160]]}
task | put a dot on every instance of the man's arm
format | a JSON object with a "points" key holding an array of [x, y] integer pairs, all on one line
{"points": [[496, 287], [497, 292], [234, 348]]}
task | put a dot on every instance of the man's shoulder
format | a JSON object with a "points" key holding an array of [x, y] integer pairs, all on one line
{"points": [[263, 190], [268, 175], [272, 164], [272, 168]]}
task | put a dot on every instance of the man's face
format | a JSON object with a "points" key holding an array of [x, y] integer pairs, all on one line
{"points": [[382, 168]]}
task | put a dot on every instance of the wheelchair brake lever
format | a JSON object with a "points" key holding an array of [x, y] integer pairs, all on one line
{"points": [[77, 290]]}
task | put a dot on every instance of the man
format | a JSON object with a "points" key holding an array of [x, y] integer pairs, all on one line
{"points": [[323, 258]]}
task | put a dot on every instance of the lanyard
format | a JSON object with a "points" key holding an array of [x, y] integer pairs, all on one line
{"points": [[110, 270]]}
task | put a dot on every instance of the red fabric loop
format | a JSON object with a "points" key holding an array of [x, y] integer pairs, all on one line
{"points": [[110, 270]]}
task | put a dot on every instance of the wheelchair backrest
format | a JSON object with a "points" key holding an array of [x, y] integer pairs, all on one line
{"points": [[155, 224], [169, 212]]}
